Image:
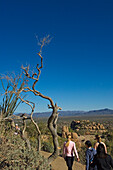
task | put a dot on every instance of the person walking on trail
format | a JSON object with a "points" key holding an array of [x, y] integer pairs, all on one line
{"points": [[68, 152], [102, 159], [90, 152], [98, 139]]}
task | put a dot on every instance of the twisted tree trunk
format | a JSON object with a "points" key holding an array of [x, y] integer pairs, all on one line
{"points": [[52, 121], [52, 125], [23, 135]]}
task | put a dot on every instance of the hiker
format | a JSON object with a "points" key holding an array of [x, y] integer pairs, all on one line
{"points": [[68, 152], [17, 129], [102, 159], [90, 152], [98, 139]]}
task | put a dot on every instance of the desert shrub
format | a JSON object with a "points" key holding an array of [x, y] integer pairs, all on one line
{"points": [[81, 132], [109, 143], [32, 131], [14, 155], [32, 134], [43, 128], [46, 144], [61, 143], [82, 155], [71, 130], [33, 142], [47, 147]]}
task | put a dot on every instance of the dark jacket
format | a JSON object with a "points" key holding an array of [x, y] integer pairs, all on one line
{"points": [[90, 152], [104, 163]]}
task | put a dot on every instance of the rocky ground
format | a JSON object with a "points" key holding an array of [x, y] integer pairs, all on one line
{"points": [[60, 164]]}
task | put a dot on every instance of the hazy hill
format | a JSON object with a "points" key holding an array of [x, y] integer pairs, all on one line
{"points": [[61, 113], [105, 111], [75, 113]]}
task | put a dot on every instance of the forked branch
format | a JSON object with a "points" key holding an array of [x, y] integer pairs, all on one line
{"points": [[52, 121]]}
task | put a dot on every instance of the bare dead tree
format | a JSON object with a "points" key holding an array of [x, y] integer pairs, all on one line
{"points": [[17, 91], [22, 133], [32, 105], [52, 121]]}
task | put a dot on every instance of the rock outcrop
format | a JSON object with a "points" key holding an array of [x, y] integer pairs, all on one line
{"points": [[65, 132], [87, 125]]}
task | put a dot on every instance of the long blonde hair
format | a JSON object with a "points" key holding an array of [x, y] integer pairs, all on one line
{"points": [[68, 140]]}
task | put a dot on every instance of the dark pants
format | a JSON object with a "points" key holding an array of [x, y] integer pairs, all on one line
{"points": [[69, 162], [93, 168]]}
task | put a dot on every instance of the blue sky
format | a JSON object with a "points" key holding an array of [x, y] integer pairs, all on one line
{"points": [[78, 63]]}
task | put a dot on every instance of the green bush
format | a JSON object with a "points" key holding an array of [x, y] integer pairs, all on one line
{"points": [[61, 143], [47, 147], [109, 143], [82, 155]]}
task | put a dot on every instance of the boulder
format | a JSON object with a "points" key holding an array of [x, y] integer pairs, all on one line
{"points": [[97, 128], [65, 129], [74, 124], [101, 126], [63, 134], [87, 133], [94, 127], [74, 135], [90, 127]]}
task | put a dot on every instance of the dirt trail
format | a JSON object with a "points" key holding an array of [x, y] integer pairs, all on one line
{"points": [[59, 163]]}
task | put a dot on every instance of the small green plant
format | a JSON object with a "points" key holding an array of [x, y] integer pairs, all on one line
{"points": [[82, 155], [47, 147], [109, 142]]}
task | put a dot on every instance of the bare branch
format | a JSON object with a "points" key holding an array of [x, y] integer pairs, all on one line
{"points": [[52, 121]]}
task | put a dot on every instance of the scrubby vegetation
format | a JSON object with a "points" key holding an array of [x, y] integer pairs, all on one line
{"points": [[109, 142], [14, 154]]}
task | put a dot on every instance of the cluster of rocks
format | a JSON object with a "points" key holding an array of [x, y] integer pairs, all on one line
{"points": [[86, 125], [65, 132]]}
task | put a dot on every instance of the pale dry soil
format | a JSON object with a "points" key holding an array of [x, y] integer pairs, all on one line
{"points": [[60, 164]]}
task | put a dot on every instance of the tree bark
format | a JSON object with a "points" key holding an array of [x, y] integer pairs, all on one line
{"points": [[23, 135], [52, 125], [52, 121]]}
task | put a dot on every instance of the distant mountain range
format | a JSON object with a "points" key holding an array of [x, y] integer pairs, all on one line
{"points": [[100, 112], [105, 111]]}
